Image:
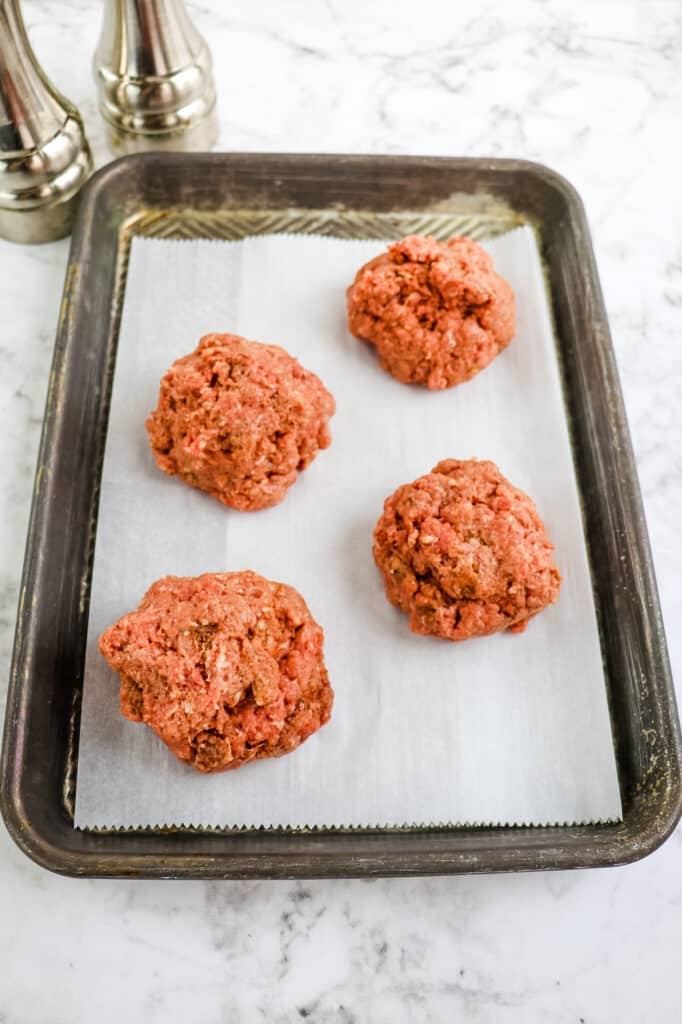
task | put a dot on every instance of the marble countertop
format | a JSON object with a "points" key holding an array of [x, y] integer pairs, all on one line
{"points": [[595, 91]]}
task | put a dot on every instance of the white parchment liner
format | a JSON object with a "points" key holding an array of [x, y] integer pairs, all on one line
{"points": [[499, 730]]}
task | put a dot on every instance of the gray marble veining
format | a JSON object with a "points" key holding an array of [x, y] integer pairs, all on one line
{"points": [[596, 92]]}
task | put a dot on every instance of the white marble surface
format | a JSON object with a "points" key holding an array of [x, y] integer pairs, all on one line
{"points": [[594, 90]]}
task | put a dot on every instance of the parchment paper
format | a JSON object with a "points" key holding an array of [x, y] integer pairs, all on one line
{"points": [[507, 729]]}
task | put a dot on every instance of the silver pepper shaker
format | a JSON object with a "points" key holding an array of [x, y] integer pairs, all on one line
{"points": [[154, 78], [44, 155]]}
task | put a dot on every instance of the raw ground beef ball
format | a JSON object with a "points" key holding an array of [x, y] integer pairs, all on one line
{"points": [[436, 311], [465, 553], [240, 420], [224, 667]]}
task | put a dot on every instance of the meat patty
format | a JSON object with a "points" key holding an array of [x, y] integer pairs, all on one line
{"points": [[464, 553], [437, 312], [239, 420], [224, 667]]}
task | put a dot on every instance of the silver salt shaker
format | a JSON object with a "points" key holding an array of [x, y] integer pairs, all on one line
{"points": [[154, 78], [44, 154]]}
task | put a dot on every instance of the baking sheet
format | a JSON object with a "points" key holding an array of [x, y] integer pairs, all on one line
{"points": [[507, 729]]}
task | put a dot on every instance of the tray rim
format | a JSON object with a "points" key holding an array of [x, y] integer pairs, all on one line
{"points": [[598, 845]]}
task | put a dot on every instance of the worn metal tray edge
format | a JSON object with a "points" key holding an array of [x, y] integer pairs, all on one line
{"points": [[627, 841]]}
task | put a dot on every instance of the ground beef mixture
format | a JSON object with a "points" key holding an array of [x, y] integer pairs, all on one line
{"points": [[224, 667], [436, 311], [240, 420], [465, 553]]}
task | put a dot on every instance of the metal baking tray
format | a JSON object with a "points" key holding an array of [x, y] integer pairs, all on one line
{"points": [[228, 196]]}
